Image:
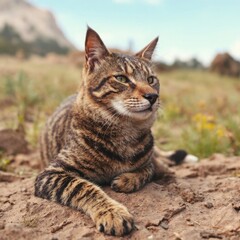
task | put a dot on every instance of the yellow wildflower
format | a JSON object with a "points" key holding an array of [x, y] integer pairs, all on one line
{"points": [[204, 122], [221, 131]]}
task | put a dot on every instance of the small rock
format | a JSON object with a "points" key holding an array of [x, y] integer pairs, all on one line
{"points": [[150, 237], [188, 195], [208, 205], [236, 206], [208, 235], [164, 224], [189, 223]]}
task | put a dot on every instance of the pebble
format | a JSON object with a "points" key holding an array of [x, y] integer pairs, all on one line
{"points": [[208, 205], [164, 224]]}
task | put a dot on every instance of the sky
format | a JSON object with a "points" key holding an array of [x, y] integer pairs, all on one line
{"points": [[186, 28]]}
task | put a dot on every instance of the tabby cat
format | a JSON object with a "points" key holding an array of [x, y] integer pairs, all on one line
{"points": [[102, 135]]}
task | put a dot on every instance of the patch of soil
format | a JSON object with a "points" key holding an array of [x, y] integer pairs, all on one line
{"points": [[202, 201]]}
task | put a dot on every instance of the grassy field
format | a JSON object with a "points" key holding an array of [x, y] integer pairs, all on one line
{"points": [[200, 111]]}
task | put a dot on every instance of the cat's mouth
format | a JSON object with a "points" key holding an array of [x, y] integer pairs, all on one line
{"points": [[139, 107], [139, 111], [148, 109]]}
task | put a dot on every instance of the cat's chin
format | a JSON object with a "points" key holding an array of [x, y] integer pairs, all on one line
{"points": [[135, 114], [141, 116]]}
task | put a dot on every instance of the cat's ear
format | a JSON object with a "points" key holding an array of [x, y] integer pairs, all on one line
{"points": [[95, 49], [147, 52]]}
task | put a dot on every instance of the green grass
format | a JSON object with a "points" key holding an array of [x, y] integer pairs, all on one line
{"points": [[31, 90], [233, 126], [4, 161], [186, 94]]}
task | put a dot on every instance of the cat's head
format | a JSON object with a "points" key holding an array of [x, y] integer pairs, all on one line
{"points": [[122, 84]]}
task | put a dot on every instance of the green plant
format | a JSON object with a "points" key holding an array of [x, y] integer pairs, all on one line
{"points": [[4, 161], [204, 136]]}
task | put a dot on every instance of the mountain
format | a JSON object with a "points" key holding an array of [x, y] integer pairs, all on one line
{"points": [[30, 29]]}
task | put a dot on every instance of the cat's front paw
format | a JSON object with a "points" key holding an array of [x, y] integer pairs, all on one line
{"points": [[126, 183], [116, 221]]}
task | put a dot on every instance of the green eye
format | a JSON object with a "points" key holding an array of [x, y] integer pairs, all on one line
{"points": [[122, 78], [151, 80]]}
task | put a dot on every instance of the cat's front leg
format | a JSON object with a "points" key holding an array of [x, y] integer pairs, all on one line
{"points": [[62, 184], [133, 181]]}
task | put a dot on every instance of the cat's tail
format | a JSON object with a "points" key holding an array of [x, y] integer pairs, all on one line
{"points": [[164, 159], [176, 157]]}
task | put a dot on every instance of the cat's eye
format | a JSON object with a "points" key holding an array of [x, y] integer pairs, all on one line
{"points": [[152, 80], [122, 78]]}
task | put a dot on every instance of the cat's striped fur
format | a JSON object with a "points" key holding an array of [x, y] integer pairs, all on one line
{"points": [[102, 136]]}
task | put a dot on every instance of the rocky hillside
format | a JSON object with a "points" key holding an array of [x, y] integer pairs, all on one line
{"points": [[24, 27], [225, 64]]}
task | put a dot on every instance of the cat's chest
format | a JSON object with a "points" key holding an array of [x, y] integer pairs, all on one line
{"points": [[122, 158], [103, 157], [115, 169]]}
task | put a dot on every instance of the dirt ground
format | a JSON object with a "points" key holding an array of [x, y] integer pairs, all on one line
{"points": [[201, 201]]}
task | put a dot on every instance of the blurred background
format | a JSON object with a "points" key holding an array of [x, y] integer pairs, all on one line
{"points": [[197, 60], [187, 29]]}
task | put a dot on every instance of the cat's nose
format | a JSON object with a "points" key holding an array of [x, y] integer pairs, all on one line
{"points": [[151, 97]]}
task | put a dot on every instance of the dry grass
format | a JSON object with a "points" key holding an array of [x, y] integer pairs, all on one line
{"points": [[201, 113], [200, 110]]}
